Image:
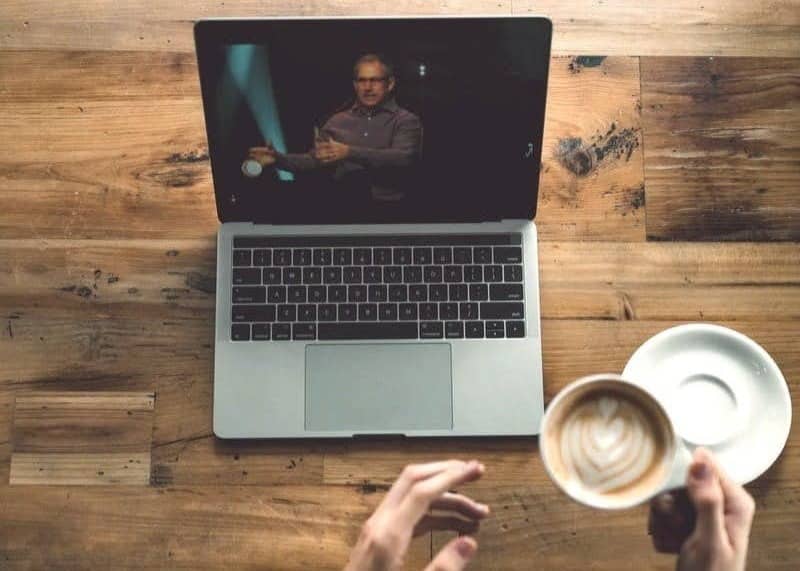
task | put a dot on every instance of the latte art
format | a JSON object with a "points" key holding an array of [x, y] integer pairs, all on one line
{"points": [[607, 443]]}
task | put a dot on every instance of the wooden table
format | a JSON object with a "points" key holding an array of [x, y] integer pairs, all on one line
{"points": [[670, 193]]}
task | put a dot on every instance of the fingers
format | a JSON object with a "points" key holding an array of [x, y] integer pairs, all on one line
{"points": [[671, 521], [704, 490], [446, 523], [461, 504], [423, 493], [414, 473], [739, 510], [455, 555]]}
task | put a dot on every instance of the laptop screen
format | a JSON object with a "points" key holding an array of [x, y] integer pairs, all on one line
{"points": [[355, 121]]}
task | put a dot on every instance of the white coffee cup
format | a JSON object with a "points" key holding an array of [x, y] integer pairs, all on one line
{"points": [[609, 444]]}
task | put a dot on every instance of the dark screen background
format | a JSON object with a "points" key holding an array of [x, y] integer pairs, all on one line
{"points": [[481, 102]]}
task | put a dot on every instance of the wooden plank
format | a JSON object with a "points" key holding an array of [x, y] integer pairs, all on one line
{"points": [[99, 177], [87, 438], [6, 419], [721, 152], [614, 27], [592, 185], [288, 527], [80, 469]]}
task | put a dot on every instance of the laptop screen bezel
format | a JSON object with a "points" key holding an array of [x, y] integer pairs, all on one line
{"points": [[233, 206]]}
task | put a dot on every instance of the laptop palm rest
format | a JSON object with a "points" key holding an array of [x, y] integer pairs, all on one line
{"points": [[379, 388]]}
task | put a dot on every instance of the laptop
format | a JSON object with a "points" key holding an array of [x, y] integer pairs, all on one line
{"points": [[376, 181]]}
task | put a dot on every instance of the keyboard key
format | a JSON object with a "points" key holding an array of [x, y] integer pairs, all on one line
{"points": [[468, 310], [387, 312], [272, 275], [306, 312], [495, 333], [281, 331], [412, 274], [478, 292], [357, 294], [362, 256], [437, 292], [392, 275], [287, 313], [454, 330], [382, 256], [512, 273], [321, 257], [502, 310], [515, 329], [241, 258], [428, 311], [448, 311], [301, 257], [342, 256], [332, 275], [462, 255], [261, 313], [312, 275], [507, 255], [442, 256], [352, 275], [418, 292], [378, 293], [431, 330], [373, 275], [347, 312], [292, 275], [260, 331], [367, 312], [398, 293], [304, 331], [505, 292], [483, 255], [240, 332], [253, 294], [433, 273], [297, 294], [474, 329], [401, 256], [316, 294], [276, 294], [327, 312], [245, 276], [367, 330], [262, 258], [493, 273], [453, 274], [422, 256], [408, 311], [458, 292], [473, 274], [282, 257], [337, 294]]}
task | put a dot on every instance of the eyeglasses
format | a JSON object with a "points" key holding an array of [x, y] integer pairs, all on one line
{"points": [[369, 80]]}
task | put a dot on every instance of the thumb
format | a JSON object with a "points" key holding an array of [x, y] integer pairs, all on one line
{"points": [[705, 492], [455, 555]]}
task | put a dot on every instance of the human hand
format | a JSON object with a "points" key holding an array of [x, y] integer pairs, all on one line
{"points": [[708, 524], [330, 151], [265, 156], [404, 513]]}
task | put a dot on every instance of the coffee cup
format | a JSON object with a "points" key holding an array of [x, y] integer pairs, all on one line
{"points": [[609, 444]]}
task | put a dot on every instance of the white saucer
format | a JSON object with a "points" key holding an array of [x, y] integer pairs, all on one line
{"points": [[722, 391]]}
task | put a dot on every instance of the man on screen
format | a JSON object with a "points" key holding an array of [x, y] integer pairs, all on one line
{"points": [[369, 145]]}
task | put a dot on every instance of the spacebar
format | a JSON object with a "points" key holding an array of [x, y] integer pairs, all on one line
{"points": [[407, 330]]}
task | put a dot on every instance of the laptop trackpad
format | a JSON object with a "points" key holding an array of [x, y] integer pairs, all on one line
{"points": [[375, 388]]}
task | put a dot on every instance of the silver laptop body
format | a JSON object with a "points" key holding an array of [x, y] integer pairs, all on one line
{"points": [[336, 386]]}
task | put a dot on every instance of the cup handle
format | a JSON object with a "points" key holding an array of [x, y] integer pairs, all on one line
{"points": [[680, 466]]}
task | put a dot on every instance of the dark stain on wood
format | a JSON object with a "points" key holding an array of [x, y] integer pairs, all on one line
{"points": [[739, 220], [579, 62], [366, 487], [171, 253], [10, 330], [206, 284], [161, 475], [173, 293], [582, 158], [112, 279], [574, 157], [69, 289], [84, 292], [197, 156]]}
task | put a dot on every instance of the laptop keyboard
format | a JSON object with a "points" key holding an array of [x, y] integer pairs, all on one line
{"points": [[377, 287]]}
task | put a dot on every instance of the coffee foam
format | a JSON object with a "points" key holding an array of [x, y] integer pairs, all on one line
{"points": [[606, 441]]}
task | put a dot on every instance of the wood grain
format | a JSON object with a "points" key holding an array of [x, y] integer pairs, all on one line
{"points": [[721, 150], [613, 27]]}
